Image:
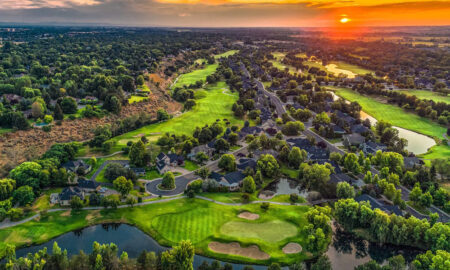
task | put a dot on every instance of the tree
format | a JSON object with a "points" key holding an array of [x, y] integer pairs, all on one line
{"points": [[322, 263], [227, 162], [248, 184], [321, 118], [123, 185], [293, 128], [426, 199], [344, 190], [296, 157], [140, 80], [7, 187], [275, 266], [180, 257], [415, 193], [23, 195], [314, 176], [351, 163], [168, 181], [69, 105], [233, 138], [221, 145], [37, 110], [189, 104], [138, 154], [162, 115], [31, 174], [201, 157], [268, 165], [131, 200], [76, 203], [203, 172]]}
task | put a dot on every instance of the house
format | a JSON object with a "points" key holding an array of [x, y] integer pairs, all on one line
{"points": [[75, 165], [337, 129], [230, 180], [374, 203], [340, 177], [353, 140], [138, 171], [372, 147], [68, 193], [201, 148], [411, 162], [12, 98], [301, 143], [359, 129], [88, 186], [250, 131], [245, 163], [165, 161], [316, 153], [272, 152]]}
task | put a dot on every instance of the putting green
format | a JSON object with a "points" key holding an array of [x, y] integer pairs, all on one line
{"points": [[271, 231]]}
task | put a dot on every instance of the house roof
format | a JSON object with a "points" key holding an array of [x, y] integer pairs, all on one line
{"points": [[161, 156], [315, 152], [299, 142], [138, 170], [359, 129], [160, 165], [69, 192], [246, 163], [216, 176], [234, 177], [374, 203], [354, 138], [83, 183], [340, 177]]}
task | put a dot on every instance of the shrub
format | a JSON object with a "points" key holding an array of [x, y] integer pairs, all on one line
{"points": [[293, 197], [265, 206]]}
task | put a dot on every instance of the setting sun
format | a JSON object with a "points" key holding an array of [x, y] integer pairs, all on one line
{"points": [[344, 20]]}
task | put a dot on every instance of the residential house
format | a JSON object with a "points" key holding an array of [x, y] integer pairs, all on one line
{"points": [[372, 147], [337, 129], [316, 153], [361, 129], [165, 161], [88, 186], [375, 203], [230, 180], [201, 148], [245, 163], [340, 177], [68, 193], [353, 140], [301, 143], [255, 130], [138, 171], [75, 165], [411, 162]]}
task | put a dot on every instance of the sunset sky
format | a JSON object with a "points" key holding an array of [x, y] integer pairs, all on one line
{"points": [[228, 13]]}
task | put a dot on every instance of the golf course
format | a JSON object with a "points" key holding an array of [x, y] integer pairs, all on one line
{"points": [[168, 222], [424, 94]]}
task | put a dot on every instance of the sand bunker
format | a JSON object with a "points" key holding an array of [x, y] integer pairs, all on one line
{"points": [[292, 248], [248, 215], [139, 135], [266, 195], [235, 248]]}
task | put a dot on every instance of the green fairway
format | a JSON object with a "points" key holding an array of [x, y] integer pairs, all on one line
{"points": [[393, 114], [342, 67], [226, 54], [424, 94], [437, 151], [278, 62], [214, 105], [272, 231], [196, 75], [169, 222]]}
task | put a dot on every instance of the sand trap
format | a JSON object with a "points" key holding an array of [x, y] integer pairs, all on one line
{"points": [[139, 135], [266, 195], [65, 214], [292, 248], [248, 215], [235, 248]]}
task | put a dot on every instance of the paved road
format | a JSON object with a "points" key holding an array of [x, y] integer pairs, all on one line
{"points": [[183, 180], [281, 110]]}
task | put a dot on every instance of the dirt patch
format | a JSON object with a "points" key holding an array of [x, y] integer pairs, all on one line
{"points": [[292, 248], [93, 215], [235, 248], [248, 216], [139, 135], [65, 214], [266, 195]]}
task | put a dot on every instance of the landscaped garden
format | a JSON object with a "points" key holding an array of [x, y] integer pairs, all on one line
{"points": [[200, 221]]}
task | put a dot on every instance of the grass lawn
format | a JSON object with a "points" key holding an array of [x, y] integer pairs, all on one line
{"points": [[393, 114], [5, 130], [196, 75], [190, 166], [200, 221], [226, 54], [343, 67], [151, 174], [291, 173], [43, 202], [278, 64], [424, 94], [134, 99], [144, 88], [437, 151], [214, 105]]}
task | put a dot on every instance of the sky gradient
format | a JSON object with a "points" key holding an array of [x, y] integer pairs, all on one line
{"points": [[228, 13]]}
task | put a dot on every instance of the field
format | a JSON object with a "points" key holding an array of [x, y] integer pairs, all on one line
{"points": [[169, 222], [348, 69], [393, 114], [134, 99], [212, 105], [278, 64], [226, 54], [196, 75], [424, 94]]}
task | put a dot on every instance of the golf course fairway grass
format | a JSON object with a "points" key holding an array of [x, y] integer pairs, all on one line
{"points": [[271, 231], [168, 222]]}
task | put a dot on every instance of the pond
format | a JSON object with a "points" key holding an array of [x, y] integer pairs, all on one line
{"points": [[417, 143], [345, 252], [348, 251], [284, 187]]}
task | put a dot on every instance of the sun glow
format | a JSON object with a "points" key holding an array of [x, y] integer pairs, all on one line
{"points": [[344, 20]]}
